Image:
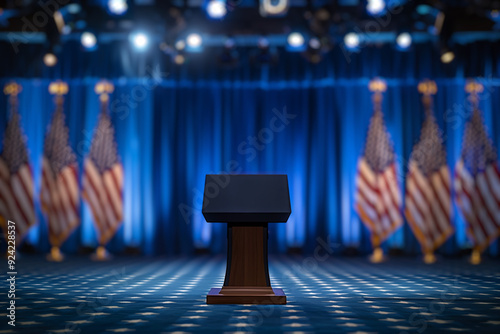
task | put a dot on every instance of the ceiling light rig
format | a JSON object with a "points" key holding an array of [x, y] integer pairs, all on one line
{"points": [[311, 30]]}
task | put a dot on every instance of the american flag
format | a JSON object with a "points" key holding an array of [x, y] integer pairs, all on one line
{"points": [[16, 180], [103, 180], [477, 184], [428, 191], [59, 192], [378, 196]]}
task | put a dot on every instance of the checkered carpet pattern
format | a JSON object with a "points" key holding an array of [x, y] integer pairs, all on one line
{"points": [[325, 295]]}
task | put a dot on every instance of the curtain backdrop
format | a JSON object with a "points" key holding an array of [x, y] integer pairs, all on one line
{"points": [[176, 124]]}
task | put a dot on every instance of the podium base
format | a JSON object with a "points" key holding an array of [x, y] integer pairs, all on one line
{"points": [[246, 295]]}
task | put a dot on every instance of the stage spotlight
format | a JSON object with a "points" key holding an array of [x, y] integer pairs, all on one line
{"points": [[447, 56], [351, 40], [216, 9], [50, 59], [88, 40], [140, 41], [194, 41], [375, 7], [117, 7], [314, 43], [403, 41], [295, 40], [180, 45]]}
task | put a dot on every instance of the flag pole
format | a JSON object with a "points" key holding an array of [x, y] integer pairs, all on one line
{"points": [[473, 88], [428, 89], [377, 87], [58, 89], [103, 88], [12, 90]]}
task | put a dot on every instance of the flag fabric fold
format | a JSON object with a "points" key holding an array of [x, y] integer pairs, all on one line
{"points": [[103, 180], [59, 193], [428, 201], [378, 195], [16, 180], [477, 184]]}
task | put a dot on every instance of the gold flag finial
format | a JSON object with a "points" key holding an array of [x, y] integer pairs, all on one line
{"points": [[474, 88], [58, 88], [103, 88], [12, 89], [427, 87], [377, 86]]}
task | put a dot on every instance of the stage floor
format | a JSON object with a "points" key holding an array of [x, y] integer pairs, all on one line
{"points": [[324, 296]]}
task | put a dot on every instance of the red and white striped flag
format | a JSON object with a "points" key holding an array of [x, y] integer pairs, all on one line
{"points": [[428, 195], [477, 184], [103, 180], [378, 196], [59, 193], [16, 180]]}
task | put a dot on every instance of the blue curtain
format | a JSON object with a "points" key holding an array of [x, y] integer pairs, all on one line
{"points": [[307, 121]]}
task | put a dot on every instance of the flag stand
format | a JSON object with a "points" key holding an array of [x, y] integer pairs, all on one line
{"points": [[101, 254], [55, 255], [475, 257], [377, 255], [429, 258]]}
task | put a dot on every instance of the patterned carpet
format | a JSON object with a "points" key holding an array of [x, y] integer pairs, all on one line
{"points": [[341, 295]]}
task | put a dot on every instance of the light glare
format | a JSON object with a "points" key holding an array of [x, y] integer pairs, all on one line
{"points": [[88, 40], [117, 7], [140, 40], [447, 57], [295, 39], [216, 9], [194, 41], [404, 40], [50, 59], [351, 40], [375, 7]]}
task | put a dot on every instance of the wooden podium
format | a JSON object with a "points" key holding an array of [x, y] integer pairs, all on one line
{"points": [[247, 203]]}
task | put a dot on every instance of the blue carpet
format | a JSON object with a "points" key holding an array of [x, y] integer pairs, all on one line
{"points": [[337, 295]]}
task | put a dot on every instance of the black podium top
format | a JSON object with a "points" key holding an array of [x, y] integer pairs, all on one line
{"points": [[246, 198]]}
